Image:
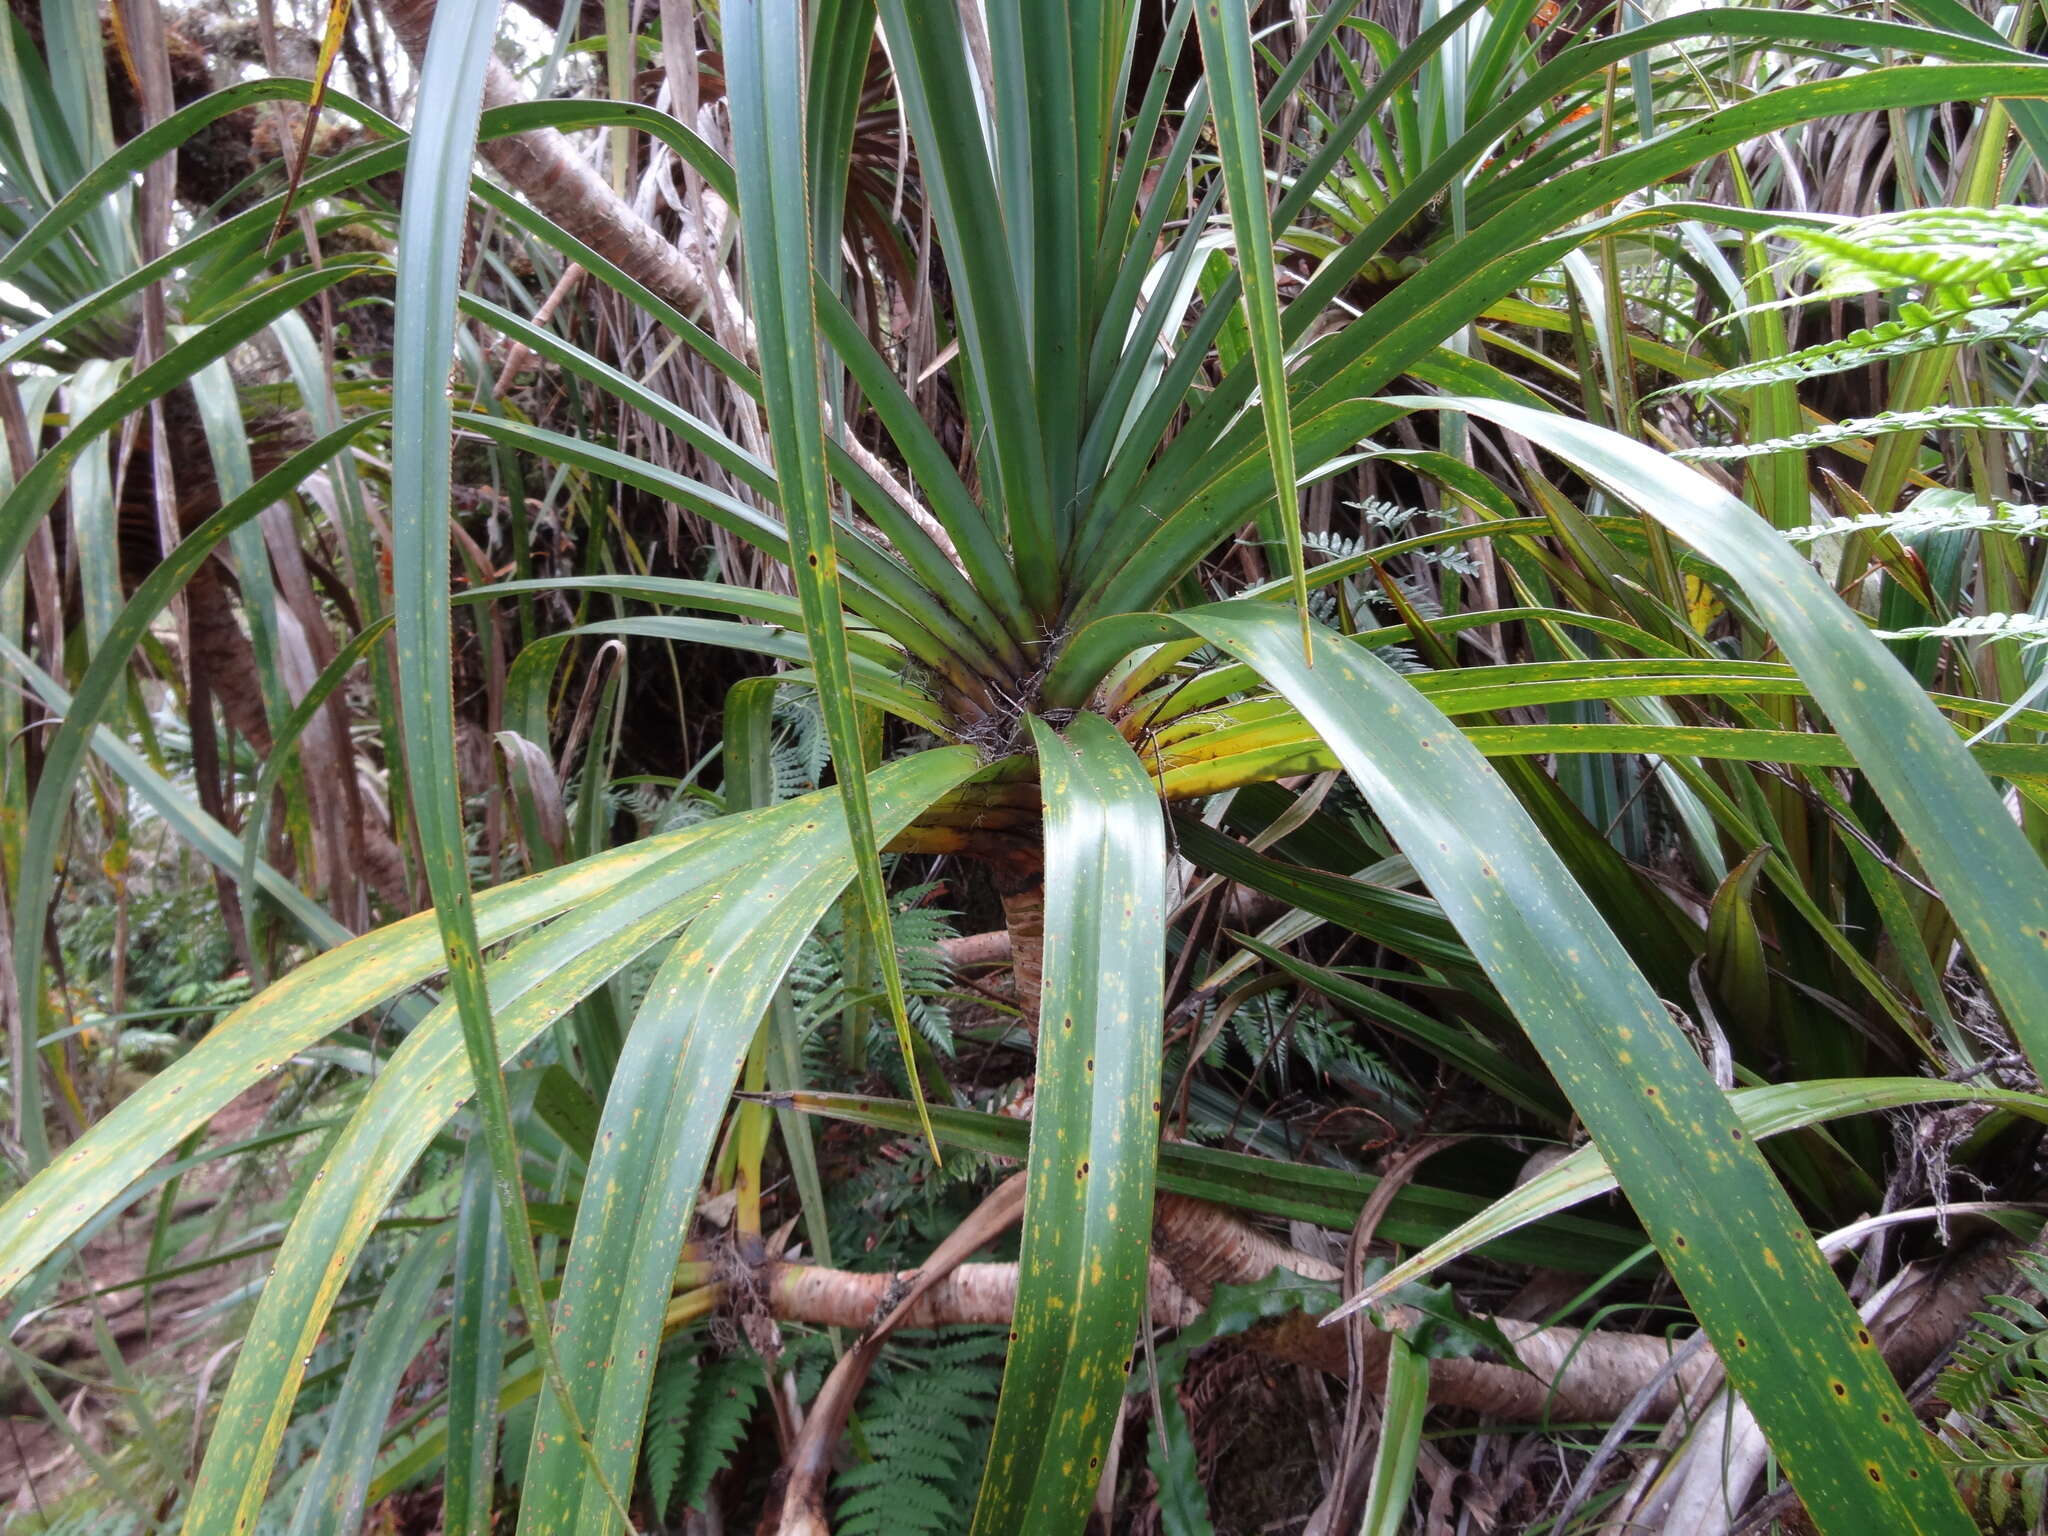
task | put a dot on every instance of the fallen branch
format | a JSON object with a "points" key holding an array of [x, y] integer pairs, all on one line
{"points": [[1572, 1375], [991, 948], [546, 169], [1568, 1375]]}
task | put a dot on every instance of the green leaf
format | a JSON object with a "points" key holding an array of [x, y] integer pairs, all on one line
{"points": [[94, 696], [1763, 1112], [1483, 1062], [1329, 1197], [432, 228], [764, 52], [1404, 1404], [476, 1350], [1991, 881], [331, 1498], [94, 1173], [980, 234], [1216, 471], [1736, 962], [718, 1416], [1088, 1195], [1730, 1236], [180, 811], [1225, 30], [669, 1403], [426, 1080], [909, 540], [661, 1121], [38, 489], [284, 738]]}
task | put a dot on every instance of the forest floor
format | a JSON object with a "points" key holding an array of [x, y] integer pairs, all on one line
{"points": [[174, 1333]]}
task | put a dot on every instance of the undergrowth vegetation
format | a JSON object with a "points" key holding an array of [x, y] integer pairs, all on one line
{"points": [[1178, 766]]}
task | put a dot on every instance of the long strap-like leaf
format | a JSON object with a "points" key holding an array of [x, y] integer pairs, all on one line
{"points": [[1764, 1112], [764, 57], [89, 1177], [661, 1122], [1225, 29], [427, 1079], [89, 704], [431, 231], [424, 1083], [1992, 883], [982, 237], [1094, 1132], [1729, 1234]]}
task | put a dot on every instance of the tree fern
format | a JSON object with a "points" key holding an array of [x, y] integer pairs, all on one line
{"points": [[817, 981], [1982, 275], [1347, 604], [515, 1439], [893, 1207], [801, 751], [1387, 516], [925, 1420], [721, 1401], [2001, 1458], [2003, 1347]]}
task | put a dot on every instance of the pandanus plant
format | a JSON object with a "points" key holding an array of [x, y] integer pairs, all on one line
{"points": [[1035, 607]]}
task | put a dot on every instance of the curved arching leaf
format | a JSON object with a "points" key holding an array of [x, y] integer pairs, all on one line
{"points": [[669, 1096], [1725, 1228], [764, 53], [92, 1174], [1765, 1112], [428, 1079], [1992, 882], [1094, 1132], [95, 693]]}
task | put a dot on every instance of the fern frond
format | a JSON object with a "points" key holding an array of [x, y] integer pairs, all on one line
{"points": [[896, 1500], [1996, 1436], [2003, 249], [720, 1405], [2001, 1348], [1382, 514], [2028, 627], [1998, 517], [925, 1418], [1916, 330], [669, 1404], [801, 748], [2001, 1459], [817, 981], [1988, 418]]}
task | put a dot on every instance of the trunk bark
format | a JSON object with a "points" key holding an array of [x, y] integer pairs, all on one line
{"points": [[1024, 920], [991, 948], [561, 184], [223, 651]]}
